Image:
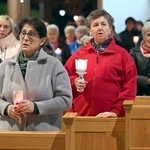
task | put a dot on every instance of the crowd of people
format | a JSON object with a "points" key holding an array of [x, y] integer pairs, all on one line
{"points": [[36, 62]]}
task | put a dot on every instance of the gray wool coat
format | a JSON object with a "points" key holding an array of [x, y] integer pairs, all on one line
{"points": [[46, 83]]}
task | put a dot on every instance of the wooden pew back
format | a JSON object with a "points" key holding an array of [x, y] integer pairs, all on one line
{"points": [[91, 133], [138, 123], [32, 140]]}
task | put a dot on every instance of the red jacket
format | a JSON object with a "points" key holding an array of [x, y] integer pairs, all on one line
{"points": [[111, 77]]}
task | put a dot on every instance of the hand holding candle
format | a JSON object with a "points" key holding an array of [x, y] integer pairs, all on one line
{"points": [[18, 97], [81, 66]]}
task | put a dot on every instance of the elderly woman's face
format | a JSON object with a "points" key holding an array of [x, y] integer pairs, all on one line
{"points": [[52, 35], [146, 38], [100, 29], [70, 35], [5, 28], [79, 35], [30, 40]]}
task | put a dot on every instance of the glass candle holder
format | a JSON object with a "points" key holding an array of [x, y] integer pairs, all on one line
{"points": [[18, 97]]}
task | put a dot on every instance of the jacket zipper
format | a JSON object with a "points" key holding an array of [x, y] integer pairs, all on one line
{"points": [[97, 56], [95, 70]]}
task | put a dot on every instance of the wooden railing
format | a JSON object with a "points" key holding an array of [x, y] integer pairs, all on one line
{"points": [[90, 133], [32, 140], [138, 123]]}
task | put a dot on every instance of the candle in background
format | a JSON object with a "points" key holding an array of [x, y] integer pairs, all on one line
{"points": [[135, 39], [58, 53]]}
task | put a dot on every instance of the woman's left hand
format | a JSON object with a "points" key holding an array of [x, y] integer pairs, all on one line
{"points": [[25, 106], [107, 115]]}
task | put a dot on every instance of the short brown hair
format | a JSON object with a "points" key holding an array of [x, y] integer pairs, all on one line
{"points": [[98, 13]]}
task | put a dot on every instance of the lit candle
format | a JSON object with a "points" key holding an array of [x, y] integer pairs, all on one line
{"points": [[58, 53], [135, 39], [18, 97], [81, 65]]}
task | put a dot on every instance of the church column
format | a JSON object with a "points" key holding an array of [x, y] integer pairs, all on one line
{"points": [[99, 4], [18, 10]]}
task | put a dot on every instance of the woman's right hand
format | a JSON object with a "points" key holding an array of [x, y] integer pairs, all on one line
{"points": [[13, 113], [80, 84]]}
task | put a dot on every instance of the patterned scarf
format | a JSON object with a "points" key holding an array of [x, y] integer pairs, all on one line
{"points": [[145, 50], [23, 61], [101, 47]]}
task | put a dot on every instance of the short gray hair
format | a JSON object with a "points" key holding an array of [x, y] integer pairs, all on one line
{"points": [[53, 26], [70, 28], [82, 29], [146, 28]]}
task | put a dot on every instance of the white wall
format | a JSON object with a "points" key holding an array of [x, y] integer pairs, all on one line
{"points": [[122, 9]]}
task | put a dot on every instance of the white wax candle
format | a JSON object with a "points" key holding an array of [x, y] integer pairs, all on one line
{"points": [[135, 39], [81, 65], [58, 51]]}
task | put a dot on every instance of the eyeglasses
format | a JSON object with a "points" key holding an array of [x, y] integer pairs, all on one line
{"points": [[31, 35]]}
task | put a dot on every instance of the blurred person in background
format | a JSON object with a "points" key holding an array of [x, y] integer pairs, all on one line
{"points": [[81, 20], [55, 46], [141, 56], [140, 37], [128, 34], [9, 45], [85, 40], [69, 31], [139, 25], [115, 36], [79, 33]]}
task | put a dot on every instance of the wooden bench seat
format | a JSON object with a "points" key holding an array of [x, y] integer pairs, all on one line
{"points": [[32, 140]]}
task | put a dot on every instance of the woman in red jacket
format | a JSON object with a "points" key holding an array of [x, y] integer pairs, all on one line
{"points": [[110, 75]]}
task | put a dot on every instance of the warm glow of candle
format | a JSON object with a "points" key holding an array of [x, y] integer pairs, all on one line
{"points": [[18, 96], [58, 51], [135, 39], [81, 65]]}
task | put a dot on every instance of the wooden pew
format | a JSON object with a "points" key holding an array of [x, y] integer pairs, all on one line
{"points": [[91, 133], [137, 126], [32, 140]]}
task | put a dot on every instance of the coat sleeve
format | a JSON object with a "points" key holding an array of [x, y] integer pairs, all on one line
{"points": [[141, 79], [128, 85], [3, 102], [62, 98]]}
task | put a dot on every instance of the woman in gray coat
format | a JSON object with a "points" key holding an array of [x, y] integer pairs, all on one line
{"points": [[42, 79]]}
